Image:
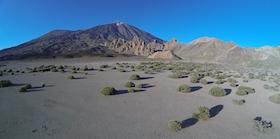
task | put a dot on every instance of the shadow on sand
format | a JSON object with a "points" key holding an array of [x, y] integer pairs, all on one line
{"points": [[195, 88], [145, 78], [119, 92], [215, 110], [228, 91], [147, 86]]}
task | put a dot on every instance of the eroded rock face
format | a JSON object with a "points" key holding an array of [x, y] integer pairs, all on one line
{"points": [[134, 47]]}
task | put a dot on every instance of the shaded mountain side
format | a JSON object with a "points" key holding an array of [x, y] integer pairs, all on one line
{"points": [[110, 38]]}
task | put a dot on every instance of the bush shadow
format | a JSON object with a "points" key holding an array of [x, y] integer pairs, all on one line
{"points": [[145, 78], [215, 110], [228, 91], [189, 122], [195, 88], [147, 86]]}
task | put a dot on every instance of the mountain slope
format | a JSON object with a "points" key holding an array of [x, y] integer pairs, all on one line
{"points": [[115, 38]]}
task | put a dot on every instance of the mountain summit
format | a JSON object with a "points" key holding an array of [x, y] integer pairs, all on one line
{"points": [[115, 38]]}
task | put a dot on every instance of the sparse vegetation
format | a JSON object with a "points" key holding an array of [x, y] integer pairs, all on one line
{"points": [[131, 90], [244, 90], [275, 98], [140, 86], [129, 85], [194, 78], [23, 89], [238, 102], [134, 77], [175, 76], [174, 126], [233, 84], [204, 81], [28, 86], [71, 77], [217, 92], [262, 125], [5, 83], [220, 81], [202, 113], [108, 91], [184, 88]]}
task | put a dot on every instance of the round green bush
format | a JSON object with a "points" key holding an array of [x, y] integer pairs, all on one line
{"points": [[129, 84], [203, 81], [275, 98], [131, 90], [175, 76], [108, 91], [217, 92], [220, 81], [140, 86], [134, 77], [174, 126], [22, 89], [71, 77], [184, 88], [5, 83], [202, 113], [194, 77], [238, 102], [244, 90], [233, 84], [28, 86]]}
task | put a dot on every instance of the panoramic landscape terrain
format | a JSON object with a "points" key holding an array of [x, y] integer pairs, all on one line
{"points": [[119, 81]]}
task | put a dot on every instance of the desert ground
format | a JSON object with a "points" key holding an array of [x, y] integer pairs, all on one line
{"points": [[74, 108]]}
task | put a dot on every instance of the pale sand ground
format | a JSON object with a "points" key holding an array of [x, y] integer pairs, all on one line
{"points": [[72, 109]]}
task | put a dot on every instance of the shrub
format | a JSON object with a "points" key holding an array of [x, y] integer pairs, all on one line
{"points": [[43, 85], [217, 92], [244, 90], [262, 125], [233, 84], [71, 77], [231, 80], [28, 86], [134, 77], [220, 81], [175, 76], [203, 81], [140, 86], [251, 76], [85, 68], [5, 83], [104, 66], [129, 84], [184, 88], [121, 70], [174, 126], [245, 80], [108, 91], [202, 113], [194, 78], [275, 98], [238, 102], [23, 89], [131, 90]]}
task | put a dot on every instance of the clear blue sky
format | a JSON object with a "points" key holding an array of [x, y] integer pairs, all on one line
{"points": [[249, 23]]}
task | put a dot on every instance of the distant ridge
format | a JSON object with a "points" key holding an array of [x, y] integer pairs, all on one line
{"points": [[123, 39]]}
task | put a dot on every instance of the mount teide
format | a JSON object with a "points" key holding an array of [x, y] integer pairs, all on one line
{"points": [[108, 39]]}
